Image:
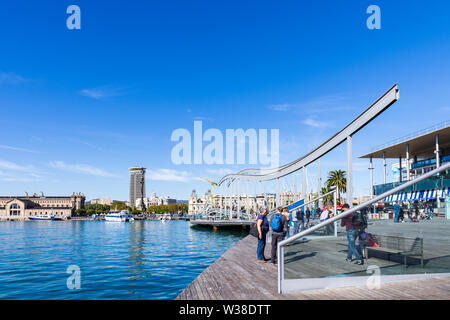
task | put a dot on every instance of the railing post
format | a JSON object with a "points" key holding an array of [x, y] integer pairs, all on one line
{"points": [[247, 211], [295, 187], [437, 152], [239, 199], [335, 212], [407, 162], [304, 183], [231, 197], [265, 200], [349, 172], [319, 181], [277, 196], [371, 178], [280, 253]]}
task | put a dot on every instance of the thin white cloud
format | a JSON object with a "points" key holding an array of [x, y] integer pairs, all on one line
{"points": [[101, 92], [81, 168], [16, 179], [170, 175], [315, 123], [17, 149], [11, 78], [220, 171], [328, 103], [13, 172], [280, 107], [17, 167]]}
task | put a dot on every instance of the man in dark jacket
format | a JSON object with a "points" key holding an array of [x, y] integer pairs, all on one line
{"points": [[352, 234], [301, 219]]}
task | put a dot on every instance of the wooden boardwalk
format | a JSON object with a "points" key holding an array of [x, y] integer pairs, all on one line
{"points": [[237, 276]]}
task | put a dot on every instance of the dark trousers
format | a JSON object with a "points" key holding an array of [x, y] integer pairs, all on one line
{"points": [[261, 246], [276, 237]]}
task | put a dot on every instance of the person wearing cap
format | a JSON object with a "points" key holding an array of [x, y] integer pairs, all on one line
{"points": [[262, 225], [279, 227]]}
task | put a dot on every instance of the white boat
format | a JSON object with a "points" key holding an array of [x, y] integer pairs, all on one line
{"points": [[116, 216], [45, 216], [165, 217]]}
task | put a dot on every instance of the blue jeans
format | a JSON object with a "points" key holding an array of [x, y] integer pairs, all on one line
{"points": [[261, 246], [362, 242], [396, 215], [288, 232], [351, 238], [302, 225], [296, 226]]}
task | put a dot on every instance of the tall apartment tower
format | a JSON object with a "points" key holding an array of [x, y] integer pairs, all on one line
{"points": [[137, 184]]}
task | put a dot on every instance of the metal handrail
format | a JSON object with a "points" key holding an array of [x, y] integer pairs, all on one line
{"points": [[318, 198], [281, 244]]}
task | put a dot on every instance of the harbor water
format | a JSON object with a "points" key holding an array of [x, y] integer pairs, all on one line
{"points": [[105, 260]]}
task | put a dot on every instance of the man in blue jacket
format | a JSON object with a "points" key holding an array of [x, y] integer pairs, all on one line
{"points": [[397, 210]]}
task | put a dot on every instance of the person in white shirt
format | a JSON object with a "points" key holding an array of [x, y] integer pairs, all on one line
{"points": [[324, 215]]}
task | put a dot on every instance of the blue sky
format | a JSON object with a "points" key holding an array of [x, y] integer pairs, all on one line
{"points": [[79, 107]]}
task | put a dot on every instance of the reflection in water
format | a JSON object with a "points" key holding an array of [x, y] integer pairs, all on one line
{"points": [[136, 250], [139, 260]]}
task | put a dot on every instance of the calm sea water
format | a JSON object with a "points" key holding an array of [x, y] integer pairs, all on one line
{"points": [[138, 260]]}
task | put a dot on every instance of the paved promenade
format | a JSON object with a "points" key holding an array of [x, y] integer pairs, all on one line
{"points": [[237, 275]]}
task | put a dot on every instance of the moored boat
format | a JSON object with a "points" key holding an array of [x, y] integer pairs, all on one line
{"points": [[116, 216], [46, 217]]}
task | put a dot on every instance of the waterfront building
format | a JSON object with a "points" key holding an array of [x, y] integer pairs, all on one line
{"points": [[104, 201], [155, 201], [137, 185], [199, 204], [22, 207], [424, 151]]}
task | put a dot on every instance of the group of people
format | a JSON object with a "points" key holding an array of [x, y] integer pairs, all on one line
{"points": [[414, 214], [280, 225], [355, 226]]}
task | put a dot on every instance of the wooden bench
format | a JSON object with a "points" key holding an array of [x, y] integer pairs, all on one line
{"points": [[397, 245]]}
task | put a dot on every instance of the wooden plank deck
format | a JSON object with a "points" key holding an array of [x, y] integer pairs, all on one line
{"points": [[237, 276]]}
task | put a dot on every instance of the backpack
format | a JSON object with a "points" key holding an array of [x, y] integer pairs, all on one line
{"points": [[359, 220], [277, 224], [254, 230]]}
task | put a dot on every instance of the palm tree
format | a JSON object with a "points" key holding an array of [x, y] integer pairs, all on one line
{"points": [[337, 178], [328, 200]]}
